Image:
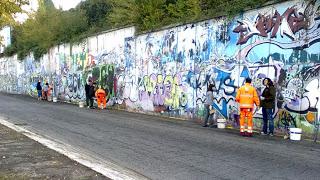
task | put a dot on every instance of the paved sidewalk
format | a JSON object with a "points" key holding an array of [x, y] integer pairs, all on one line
{"points": [[23, 158]]}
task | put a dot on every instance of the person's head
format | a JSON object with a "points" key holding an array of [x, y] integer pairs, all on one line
{"points": [[248, 80], [47, 84], [267, 82]]}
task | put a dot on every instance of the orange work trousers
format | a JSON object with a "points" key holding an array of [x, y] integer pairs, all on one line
{"points": [[246, 113], [102, 101]]}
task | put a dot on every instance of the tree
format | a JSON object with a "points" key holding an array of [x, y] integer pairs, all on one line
{"points": [[96, 12], [72, 26], [48, 27], [124, 12], [184, 10], [152, 13], [145, 14], [149, 15], [7, 10]]}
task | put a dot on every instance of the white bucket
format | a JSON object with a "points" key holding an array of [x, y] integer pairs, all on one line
{"points": [[295, 134], [81, 104], [221, 123], [54, 99], [49, 98]]}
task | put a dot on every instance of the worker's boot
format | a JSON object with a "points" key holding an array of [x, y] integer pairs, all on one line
{"points": [[249, 134]]}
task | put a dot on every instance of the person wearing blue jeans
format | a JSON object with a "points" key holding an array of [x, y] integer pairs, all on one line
{"points": [[39, 90], [267, 103], [267, 117]]}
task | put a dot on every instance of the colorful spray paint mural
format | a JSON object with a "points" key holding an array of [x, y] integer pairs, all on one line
{"points": [[282, 43], [168, 71]]}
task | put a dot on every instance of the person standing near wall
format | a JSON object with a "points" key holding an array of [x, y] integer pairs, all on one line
{"points": [[87, 89], [208, 112], [50, 91], [101, 98], [267, 103], [39, 90], [45, 91], [91, 94], [247, 96]]}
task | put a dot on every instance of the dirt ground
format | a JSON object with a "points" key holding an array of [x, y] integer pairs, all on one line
{"points": [[23, 158]]}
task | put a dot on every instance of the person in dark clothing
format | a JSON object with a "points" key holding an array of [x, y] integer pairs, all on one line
{"points": [[39, 90], [87, 89], [91, 94], [267, 103]]}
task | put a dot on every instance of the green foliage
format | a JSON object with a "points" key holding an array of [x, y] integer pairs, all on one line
{"points": [[151, 12], [7, 10], [10, 50], [49, 26], [148, 15], [96, 11], [72, 25], [184, 10], [123, 13]]}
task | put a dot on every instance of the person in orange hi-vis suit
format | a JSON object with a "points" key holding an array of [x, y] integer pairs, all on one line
{"points": [[247, 96], [101, 98]]}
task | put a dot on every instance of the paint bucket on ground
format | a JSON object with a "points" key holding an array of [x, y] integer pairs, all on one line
{"points": [[49, 98], [54, 99], [81, 104], [221, 123], [295, 134]]}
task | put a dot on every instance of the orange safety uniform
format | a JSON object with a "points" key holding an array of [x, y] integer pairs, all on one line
{"points": [[247, 96], [101, 98]]}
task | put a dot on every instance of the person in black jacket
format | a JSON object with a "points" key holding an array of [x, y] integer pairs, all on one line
{"points": [[87, 89], [92, 90], [39, 90], [267, 103]]}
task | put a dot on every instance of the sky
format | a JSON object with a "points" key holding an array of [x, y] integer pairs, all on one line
{"points": [[33, 6], [66, 4]]}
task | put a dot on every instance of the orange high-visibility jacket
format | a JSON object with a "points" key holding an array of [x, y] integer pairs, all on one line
{"points": [[247, 96], [100, 92]]}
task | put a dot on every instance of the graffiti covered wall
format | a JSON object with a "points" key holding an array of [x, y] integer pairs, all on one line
{"points": [[168, 71]]}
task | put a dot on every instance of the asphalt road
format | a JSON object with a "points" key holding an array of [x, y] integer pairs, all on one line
{"points": [[159, 148]]}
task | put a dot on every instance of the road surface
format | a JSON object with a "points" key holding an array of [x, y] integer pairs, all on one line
{"points": [[158, 148]]}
